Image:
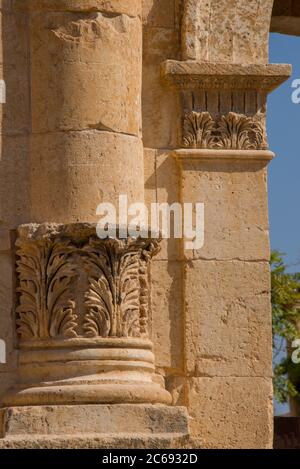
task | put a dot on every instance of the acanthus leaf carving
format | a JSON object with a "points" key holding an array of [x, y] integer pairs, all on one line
{"points": [[239, 132], [198, 130], [113, 298], [233, 131], [45, 309], [98, 320], [72, 284]]}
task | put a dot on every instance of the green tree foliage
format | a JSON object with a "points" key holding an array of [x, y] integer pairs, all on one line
{"points": [[286, 315]]}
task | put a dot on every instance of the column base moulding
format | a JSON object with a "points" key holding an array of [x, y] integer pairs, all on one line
{"points": [[95, 426]]}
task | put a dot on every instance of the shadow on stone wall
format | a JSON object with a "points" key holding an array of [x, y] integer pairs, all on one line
{"points": [[14, 169], [287, 433]]}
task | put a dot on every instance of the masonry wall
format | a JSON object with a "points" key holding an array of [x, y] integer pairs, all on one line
{"points": [[211, 310], [14, 168], [211, 317]]}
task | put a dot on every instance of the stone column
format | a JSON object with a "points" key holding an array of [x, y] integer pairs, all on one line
{"points": [[86, 142], [82, 304]]}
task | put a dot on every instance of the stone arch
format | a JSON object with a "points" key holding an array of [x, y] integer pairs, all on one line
{"points": [[286, 17]]}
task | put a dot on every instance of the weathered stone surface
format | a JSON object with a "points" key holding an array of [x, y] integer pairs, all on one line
{"points": [[162, 186], [7, 380], [226, 31], [80, 163], [159, 14], [5, 240], [95, 426], [228, 319], [14, 181], [14, 117], [225, 76], [167, 319], [150, 177], [14, 46], [72, 138], [93, 419], [92, 441], [234, 193], [6, 318], [238, 412], [71, 57], [159, 103]]}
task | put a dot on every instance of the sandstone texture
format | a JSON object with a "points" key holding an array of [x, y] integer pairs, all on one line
{"points": [[136, 341]]}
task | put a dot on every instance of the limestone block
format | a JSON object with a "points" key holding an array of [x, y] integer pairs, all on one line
{"points": [[159, 14], [95, 426], [177, 386], [226, 30], [160, 104], [101, 419], [162, 186], [150, 176], [167, 323], [78, 82], [251, 32], [6, 288], [222, 15], [228, 319], [76, 171], [6, 314], [14, 114], [168, 191], [7, 380], [14, 181], [195, 30], [232, 413], [14, 44], [234, 194], [95, 441], [5, 240]]}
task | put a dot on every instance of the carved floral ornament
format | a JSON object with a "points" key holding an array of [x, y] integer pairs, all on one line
{"points": [[233, 131], [70, 288]]}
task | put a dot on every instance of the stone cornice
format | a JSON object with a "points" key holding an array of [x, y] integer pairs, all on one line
{"points": [[204, 75]]}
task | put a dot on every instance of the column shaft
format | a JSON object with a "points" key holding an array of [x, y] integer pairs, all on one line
{"points": [[86, 147], [83, 304]]}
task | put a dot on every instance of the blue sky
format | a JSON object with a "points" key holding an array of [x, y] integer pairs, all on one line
{"points": [[284, 139], [284, 172]]}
